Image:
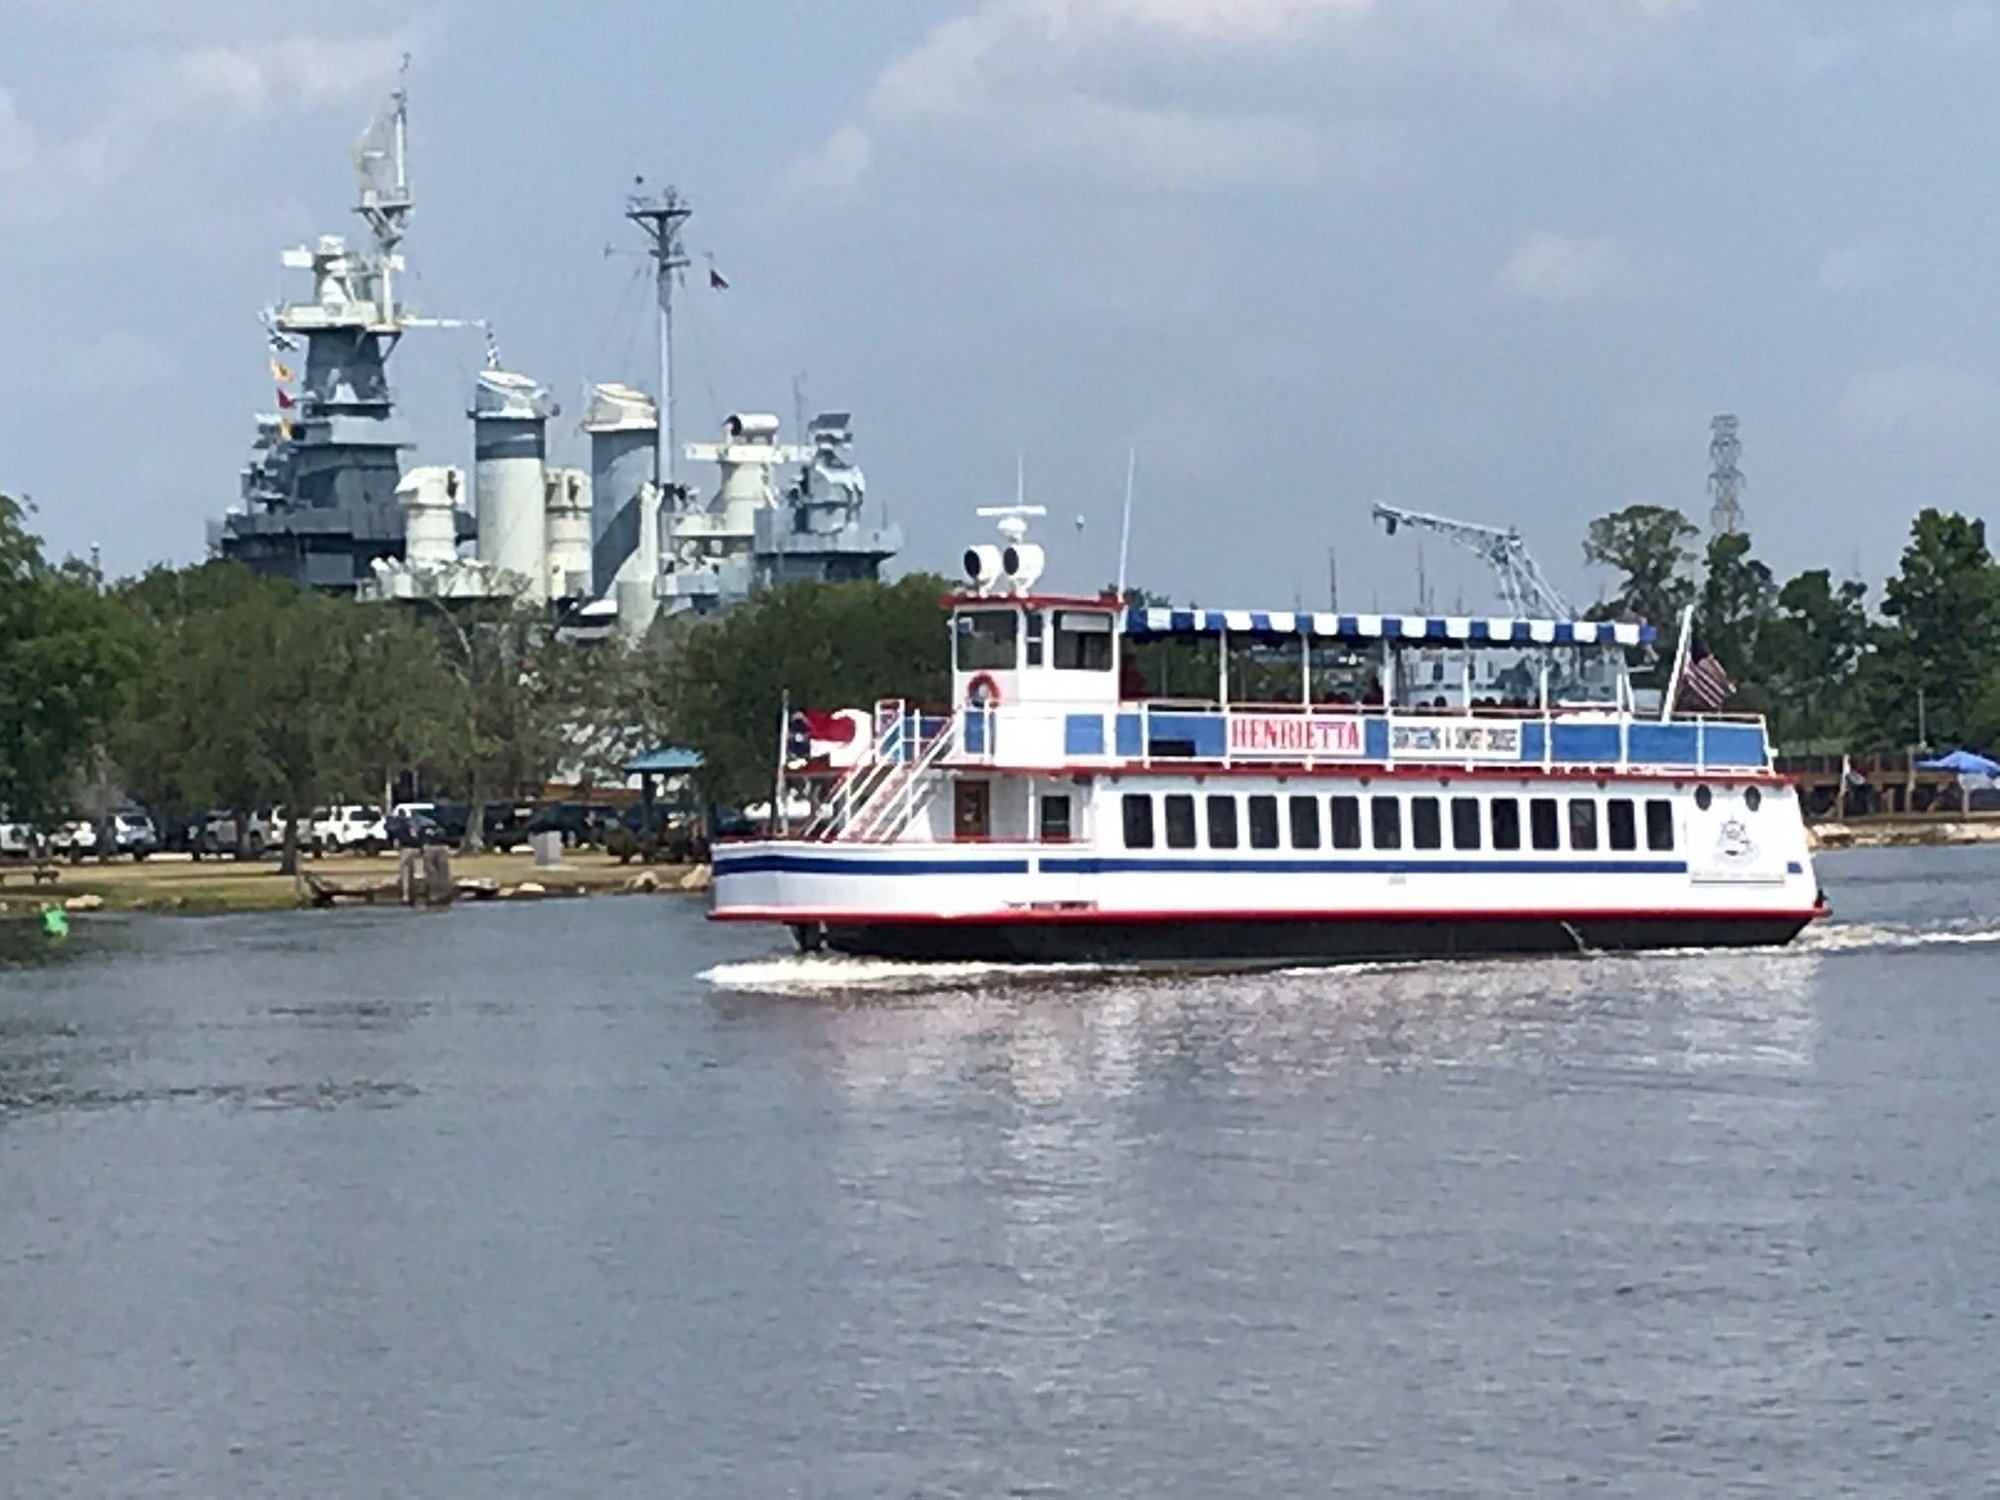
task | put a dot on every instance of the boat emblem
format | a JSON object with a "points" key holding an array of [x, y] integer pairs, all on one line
{"points": [[1733, 841]]}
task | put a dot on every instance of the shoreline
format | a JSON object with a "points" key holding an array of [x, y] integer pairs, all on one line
{"points": [[176, 884], [1904, 831]]}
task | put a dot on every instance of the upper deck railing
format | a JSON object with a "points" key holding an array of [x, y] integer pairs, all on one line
{"points": [[1289, 735]]}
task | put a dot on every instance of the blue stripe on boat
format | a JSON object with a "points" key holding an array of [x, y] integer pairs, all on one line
{"points": [[836, 864], [840, 864]]}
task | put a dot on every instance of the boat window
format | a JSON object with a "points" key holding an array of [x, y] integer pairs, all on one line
{"points": [[1138, 820], [1624, 831], [1055, 818], [1385, 816], [1221, 821], [1083, 641], [1263, 822], [1305, 822], [1659, 824], [1465, 822], [1582, 823], [1542, 829], [984, 640], [1032, 623], [1703, 797], [1506, 823], [1426, 828], [1345, 813], [1180, 821], [1752, 798]]}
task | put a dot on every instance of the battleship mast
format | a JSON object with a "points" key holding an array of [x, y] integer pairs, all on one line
{"points": [[661, 216]]}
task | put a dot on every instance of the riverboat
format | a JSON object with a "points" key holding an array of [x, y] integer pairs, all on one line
{"points": [[1343, 787]]}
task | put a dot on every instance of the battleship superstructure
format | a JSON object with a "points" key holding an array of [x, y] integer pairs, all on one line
{"points": [[319, 493], [325, 500]]}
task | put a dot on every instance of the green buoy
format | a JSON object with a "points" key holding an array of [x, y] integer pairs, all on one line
{"points": [[55, 921]]}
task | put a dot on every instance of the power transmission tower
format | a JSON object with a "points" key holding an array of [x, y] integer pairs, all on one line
{"points": [[1725, 480]]}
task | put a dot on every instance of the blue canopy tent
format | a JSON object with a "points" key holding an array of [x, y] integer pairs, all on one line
{"points": [[1962, 763]]}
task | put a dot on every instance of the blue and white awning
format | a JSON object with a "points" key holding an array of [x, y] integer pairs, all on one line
{"points": [[1150, 623]]}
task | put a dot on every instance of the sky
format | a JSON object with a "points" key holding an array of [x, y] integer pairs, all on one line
{"points": [[1499, 259]]}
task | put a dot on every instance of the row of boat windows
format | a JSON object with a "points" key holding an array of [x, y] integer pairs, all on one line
{"points": [[1551, 823]]}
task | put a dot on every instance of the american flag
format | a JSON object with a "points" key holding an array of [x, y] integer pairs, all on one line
{"points": [[1704, 680]]}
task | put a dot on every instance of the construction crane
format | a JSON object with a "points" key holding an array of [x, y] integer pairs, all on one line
{"points": [[1523, 587]]}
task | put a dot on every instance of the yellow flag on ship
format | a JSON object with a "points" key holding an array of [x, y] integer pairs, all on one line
{"points": [[280, 373]]}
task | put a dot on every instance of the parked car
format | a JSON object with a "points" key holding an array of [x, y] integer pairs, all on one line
{"points": [[18, 840], [506, 824], [74, 841], [349, 828], [411, 825], [451, 818], [581, 824], [129, 832], [134, 833]]}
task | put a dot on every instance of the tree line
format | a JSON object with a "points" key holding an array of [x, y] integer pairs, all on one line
{"points": [[1921, 669], [209, 686]]}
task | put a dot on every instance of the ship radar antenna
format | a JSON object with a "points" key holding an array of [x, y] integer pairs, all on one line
{"points": [[661, 216], [382, 167], [1725, 480]]}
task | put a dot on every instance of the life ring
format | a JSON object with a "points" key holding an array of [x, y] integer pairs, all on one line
{"points": [[982, 691]]}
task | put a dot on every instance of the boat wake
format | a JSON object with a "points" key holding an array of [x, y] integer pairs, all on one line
{"points": [[821, 972], [1850, 937]]}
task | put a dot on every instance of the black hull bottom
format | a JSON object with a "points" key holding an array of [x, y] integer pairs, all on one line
{"points": [[1285, 942]]}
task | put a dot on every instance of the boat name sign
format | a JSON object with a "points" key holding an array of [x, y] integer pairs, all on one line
{"points": [[1453, 740], [1293, 734]]}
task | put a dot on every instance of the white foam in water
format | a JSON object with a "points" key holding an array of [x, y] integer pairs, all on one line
{"points": [[827, 972], [1836, 937], [802, 972]]}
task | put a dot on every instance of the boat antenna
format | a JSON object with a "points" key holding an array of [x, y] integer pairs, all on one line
{"points": [[1125, 523]]}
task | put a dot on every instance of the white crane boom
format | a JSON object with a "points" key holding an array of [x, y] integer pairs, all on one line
{"points": [[1523, 586]]}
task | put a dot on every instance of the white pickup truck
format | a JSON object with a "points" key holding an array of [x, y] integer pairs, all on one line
{"points": [[350, 828]]}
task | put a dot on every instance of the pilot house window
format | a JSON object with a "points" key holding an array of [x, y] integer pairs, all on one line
{"points": [[984, 640], [1083, 641]]}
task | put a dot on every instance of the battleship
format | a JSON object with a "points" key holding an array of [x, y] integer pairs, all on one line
{"points": [[326, 499]]}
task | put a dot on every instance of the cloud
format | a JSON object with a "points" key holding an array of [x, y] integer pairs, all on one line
{"points": [[1851, 268], [46, 177], [1879, 402], [1063, 81], [1567, 271]]}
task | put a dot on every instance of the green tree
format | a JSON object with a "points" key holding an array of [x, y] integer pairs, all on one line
{"points": [[65, 653], [1808, 653], [826, 645], [501, 728], [1934, 656], [1738, 598], [1647, 546]]}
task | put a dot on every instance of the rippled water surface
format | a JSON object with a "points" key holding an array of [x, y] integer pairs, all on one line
{"points": [[593, 1199]]}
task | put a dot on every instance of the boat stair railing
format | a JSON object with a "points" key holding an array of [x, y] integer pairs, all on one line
{"points": [[886, 813], [876, 799]]}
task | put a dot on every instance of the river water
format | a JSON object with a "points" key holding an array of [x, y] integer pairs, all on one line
{"points": [[593, 1199]]}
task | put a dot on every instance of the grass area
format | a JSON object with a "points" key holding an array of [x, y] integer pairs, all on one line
{"points": [[169, 883]]}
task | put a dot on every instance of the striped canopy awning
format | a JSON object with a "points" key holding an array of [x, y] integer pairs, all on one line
{"points": [[1146, 624]]}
